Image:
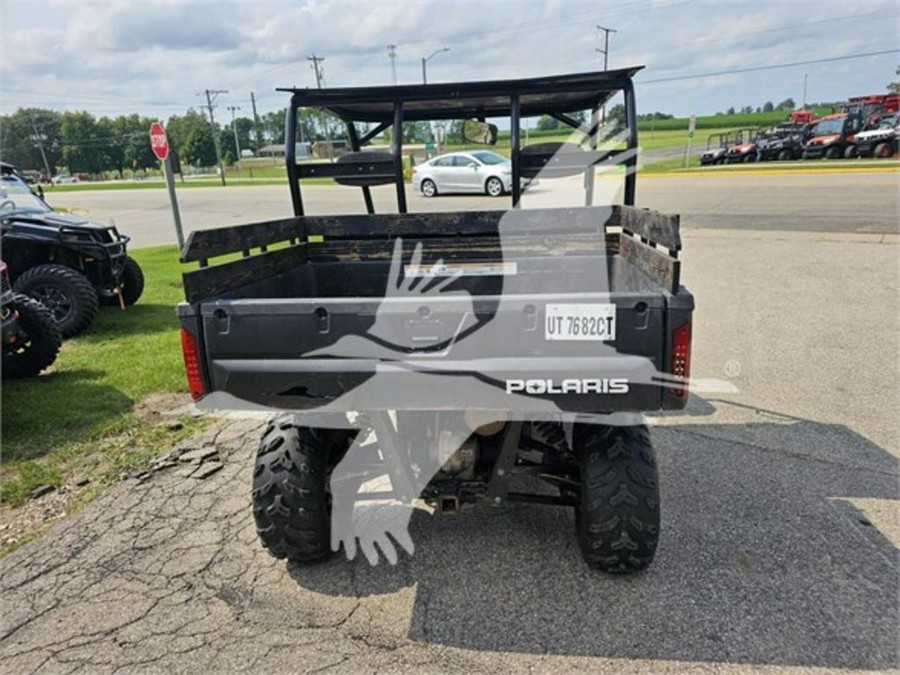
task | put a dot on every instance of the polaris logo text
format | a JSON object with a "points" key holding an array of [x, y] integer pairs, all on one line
{"points": [[573, 386]]}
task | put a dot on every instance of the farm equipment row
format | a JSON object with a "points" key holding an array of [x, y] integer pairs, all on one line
{"points": [[865, 126]]}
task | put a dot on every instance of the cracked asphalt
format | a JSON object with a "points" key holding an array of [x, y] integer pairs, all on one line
{"points": [[778, 548], [756, 568]]}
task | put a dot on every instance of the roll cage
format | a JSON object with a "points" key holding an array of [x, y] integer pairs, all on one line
{"points": [[389, 107]]}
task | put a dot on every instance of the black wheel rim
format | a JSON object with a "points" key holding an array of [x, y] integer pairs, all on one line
{"points": [[55, 299]]}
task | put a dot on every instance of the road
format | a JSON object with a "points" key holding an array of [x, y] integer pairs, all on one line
{"points": [[780, 520], [831, 202]]}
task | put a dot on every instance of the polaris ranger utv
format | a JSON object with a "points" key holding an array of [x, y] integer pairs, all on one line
{"points": [[69, 264], [460, 358]]}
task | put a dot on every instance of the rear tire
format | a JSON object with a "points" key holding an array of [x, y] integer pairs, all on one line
{"points": [[40, 340], [833, 152], [132, 285], [493, 186], [429, 189], [784, 155], [617, 516], [67, 293], [850, 152], [291, 499]]}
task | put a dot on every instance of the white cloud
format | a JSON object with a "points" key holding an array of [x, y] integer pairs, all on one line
{"points": [[154, 56]]}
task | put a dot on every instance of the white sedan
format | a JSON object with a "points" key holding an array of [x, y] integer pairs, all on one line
{"points": [[480, 171]]}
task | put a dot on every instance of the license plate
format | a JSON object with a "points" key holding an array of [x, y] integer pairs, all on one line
{"points": [[580, 322]]}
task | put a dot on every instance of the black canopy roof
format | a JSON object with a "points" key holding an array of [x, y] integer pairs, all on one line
{"points": [[537, 96]]}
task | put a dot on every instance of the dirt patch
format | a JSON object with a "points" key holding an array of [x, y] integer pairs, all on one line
{"points": [[163, 408], [84, 479]]}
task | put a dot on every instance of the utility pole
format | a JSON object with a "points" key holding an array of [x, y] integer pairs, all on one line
{"points": [[605, 50], [805, 75], [392, 55], [316, 60], [37, 139], [255, 122], [212, 95], [237, 144]]}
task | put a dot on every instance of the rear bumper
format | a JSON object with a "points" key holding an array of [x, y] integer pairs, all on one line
{"points": [[283, 355], [518, 386]]}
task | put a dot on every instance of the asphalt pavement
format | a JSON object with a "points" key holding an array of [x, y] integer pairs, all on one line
{"points": [[780, 523], [864, 202]]}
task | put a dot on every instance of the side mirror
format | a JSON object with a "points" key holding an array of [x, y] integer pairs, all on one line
{"points": [[480, 132], [472, 165]]}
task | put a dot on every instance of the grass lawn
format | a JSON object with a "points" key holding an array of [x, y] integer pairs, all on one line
{"points": [[79, 418]]}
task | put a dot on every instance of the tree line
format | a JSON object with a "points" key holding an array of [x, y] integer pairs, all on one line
{"points": [[49, 141]]}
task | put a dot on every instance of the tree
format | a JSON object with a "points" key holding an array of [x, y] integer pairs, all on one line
{"points": [[244, 130], [133, 130], [894, 87], [786, 104], [190, 135], [84, 147], [25, 133], [730, 111], [768, 106], [615, 117], [547, 123]]}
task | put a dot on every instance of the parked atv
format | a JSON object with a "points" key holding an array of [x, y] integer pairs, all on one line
{"points": [[782, 142], [716, 147], [881, 141], [832, 137], [69, 264], [743, 149], [31, 337]]}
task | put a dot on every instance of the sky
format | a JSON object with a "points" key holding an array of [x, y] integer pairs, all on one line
{"points": [[157, 57]]}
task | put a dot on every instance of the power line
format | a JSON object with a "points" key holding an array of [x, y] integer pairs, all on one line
{"points": [[754, 69]]}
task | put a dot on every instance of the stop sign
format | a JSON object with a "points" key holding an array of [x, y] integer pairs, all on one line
{"points": [[159, 143]]}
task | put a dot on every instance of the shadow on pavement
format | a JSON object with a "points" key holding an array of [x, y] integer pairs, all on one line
{"points": [[761, 562]]}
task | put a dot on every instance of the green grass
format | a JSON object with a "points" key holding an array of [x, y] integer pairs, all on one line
{"points": [[85, 404]]}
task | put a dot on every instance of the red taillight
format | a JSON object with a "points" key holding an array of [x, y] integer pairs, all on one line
{"points": [[192, 365], [681, 358]]}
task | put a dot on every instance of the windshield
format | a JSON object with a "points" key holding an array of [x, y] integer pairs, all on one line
{"points": [[828, 127], [488, 157], [16, 196], [888, 122]]}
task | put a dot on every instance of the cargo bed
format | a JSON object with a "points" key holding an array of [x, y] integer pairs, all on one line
{"points": [[258, 318]]}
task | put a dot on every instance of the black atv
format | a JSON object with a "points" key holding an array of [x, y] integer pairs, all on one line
{"points": [[782, 142], [31, 338], [69, 264]]}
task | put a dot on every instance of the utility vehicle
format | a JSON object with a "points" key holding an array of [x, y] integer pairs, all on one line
{"points": [[832, 137], [69, 264], [30, 337], [881, 140], [716, 147], [460, 358]]}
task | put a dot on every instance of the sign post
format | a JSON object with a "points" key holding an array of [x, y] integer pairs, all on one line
{"points": [[159, 143], [692, 126]]}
